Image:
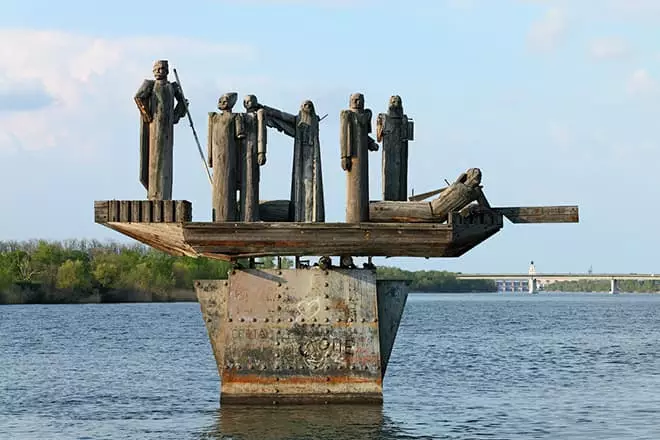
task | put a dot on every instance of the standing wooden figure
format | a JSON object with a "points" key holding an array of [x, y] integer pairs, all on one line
{"points": [[355, 143], [252, 155], [223, 137], [306, 177], [155, 99], [394, 130]]}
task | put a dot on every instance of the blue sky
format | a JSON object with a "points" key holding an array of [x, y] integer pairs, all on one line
{"points": [[557, 102]]}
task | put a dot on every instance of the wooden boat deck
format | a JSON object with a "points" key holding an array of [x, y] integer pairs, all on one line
{"points": [[167, 226]]}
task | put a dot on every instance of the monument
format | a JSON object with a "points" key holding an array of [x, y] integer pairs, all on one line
{"points": [[224, 131], [306, 176], [355, 144], [319, 333], [394, 130], [158, 114], [252, 155]]}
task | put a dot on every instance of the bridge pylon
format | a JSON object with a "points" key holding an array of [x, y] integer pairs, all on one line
{"points": [[614, 286]]}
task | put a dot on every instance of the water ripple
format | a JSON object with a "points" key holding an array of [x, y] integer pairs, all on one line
{"points": [[463, 367]]}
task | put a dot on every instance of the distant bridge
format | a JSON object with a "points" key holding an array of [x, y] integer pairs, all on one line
{"points": [[530, 282]]}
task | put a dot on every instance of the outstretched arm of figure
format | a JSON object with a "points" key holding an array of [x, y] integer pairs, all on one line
{"points": [[142, 99], [281, 121]]}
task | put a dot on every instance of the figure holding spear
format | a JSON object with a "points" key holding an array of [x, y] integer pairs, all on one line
{"points": [[156, 101]]}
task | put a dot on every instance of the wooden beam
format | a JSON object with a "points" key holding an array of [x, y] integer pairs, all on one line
{"points": [[400, 212], [540, 214]]}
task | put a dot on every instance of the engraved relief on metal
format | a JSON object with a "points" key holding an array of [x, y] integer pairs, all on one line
{"points": [[302, 331]]}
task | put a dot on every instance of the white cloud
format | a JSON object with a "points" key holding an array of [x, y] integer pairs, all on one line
{"points": [[546, 33], [87, 83], [609, 48], [641, 83]]}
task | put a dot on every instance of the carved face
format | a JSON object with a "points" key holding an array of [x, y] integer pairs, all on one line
{"points": [[357, 101], [250, 102], [395, 102], [307, 107], [473, 177], [227, 101], [161, 69]]}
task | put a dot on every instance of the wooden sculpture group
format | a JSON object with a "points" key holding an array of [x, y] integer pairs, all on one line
{"points": [[237, 148]]}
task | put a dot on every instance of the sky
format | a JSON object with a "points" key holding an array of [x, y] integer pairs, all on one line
{"points": [[558, 103]]}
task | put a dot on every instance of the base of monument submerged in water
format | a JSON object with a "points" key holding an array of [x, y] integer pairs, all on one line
{"points": [[302, 336], [168, 226]]}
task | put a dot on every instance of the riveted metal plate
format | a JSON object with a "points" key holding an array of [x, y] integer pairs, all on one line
{"points": [[301, 336], [212, 296], [392, 296]]}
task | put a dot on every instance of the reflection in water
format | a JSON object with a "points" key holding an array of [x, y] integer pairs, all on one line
{"points": [[336, 422]]}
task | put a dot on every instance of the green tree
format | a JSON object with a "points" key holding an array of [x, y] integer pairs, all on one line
{"points": [[73, 275]]}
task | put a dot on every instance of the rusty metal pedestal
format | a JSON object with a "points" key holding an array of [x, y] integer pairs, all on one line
{"points": [[302, 335]]}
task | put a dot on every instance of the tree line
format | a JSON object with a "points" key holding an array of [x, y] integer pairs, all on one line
{"points": [[75, 271], [630, 286]]}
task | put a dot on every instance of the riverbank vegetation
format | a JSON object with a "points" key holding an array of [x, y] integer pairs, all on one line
{"points": [[89, 271], [629, 286]]}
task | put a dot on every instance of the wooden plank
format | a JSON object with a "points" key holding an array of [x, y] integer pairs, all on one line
{"points": [[146, 211], [142, 211], [135, 211], [318, 238], [101, 211], [124, 211], [541, 214], [183, 211], [168, 211], [229, 241], [157, 211], [400, 212], [167, 237], [113, 211]]}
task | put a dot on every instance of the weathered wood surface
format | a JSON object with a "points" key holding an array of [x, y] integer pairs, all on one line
{"points": [[421, 212], [229, 241], [252, 156], [540, 214], [307, 201], [142, 211], [167, 237], [223, 131], [394, 130], [319, 239], [155, 100], [276, 211], [400, 212], [355, 144]]}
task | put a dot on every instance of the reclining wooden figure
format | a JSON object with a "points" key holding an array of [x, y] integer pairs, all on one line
{"points": [[464, 196], [464, 191]]}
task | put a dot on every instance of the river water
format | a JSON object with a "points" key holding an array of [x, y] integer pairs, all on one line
{"points": [[482, 366]]}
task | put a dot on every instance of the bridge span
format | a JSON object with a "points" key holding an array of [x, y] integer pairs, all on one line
{"points": [[532, 281]]}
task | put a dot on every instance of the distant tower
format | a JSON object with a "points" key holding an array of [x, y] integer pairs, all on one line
{"points": [[532, 269], [591, 270]]}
